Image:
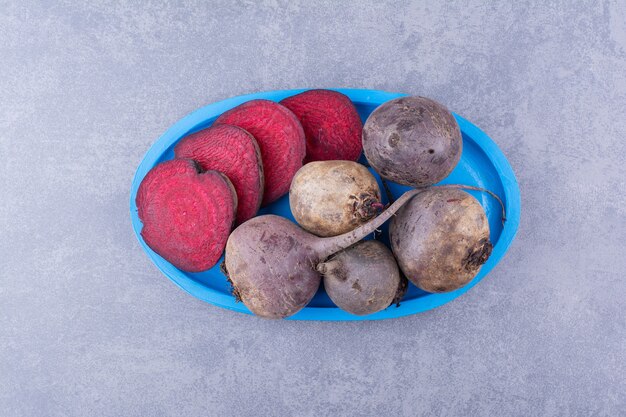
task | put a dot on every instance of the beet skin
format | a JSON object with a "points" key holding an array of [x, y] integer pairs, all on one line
{"points": [[331, 124], [413, 141], [233, 152], [362, 279], [441, 239], [328, 198], [186, 215], [280, 137]]}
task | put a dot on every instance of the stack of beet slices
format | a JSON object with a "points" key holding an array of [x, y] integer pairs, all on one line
{"points": [[223, 174]]}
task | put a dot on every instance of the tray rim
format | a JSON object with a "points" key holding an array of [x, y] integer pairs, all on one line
{"points": [[409, 307]]}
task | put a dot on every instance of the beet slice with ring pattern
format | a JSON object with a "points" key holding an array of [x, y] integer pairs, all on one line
{"points": [[331, 124], [280, 137], [187, 214], [233, 152]]}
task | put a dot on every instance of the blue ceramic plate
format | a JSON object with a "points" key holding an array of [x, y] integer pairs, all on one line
{"points": [[482, 164]]}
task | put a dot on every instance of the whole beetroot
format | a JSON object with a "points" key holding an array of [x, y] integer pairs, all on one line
{"points": [[412, 141], [233, 152], [328, 198], [186, 215], [440, 239], [271, 263], [331, 124], [280, 137], [362, 279]]}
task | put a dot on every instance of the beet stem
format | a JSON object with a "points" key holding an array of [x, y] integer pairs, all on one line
{"points": [[329, 245], [471, 187]]}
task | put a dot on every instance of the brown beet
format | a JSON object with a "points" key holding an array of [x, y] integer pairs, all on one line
{"points": [[331, 124], [362, 279], [412, 141], [328, 198], [280, 137], [186, 215], [233, 152], [440, 239], [271, 262]]}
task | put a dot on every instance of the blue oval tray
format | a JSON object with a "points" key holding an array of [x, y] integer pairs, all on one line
{"points": [[482, 164]]}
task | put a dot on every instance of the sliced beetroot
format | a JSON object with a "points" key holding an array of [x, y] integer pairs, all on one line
{"points": [[186, 215], [233, 152], [280, 137], [331, 124]]}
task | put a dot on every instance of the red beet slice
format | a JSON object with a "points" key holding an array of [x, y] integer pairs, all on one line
{"points": [[331, 124], [233, 152], [280, 138], [186, 215]]}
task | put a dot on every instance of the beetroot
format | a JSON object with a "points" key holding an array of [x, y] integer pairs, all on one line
{"points": [[362, 279], [233, 152], [412, 141], [441, 239], [328, 198], [271, 263], [331, 124], [186, 215], [280, 137]]}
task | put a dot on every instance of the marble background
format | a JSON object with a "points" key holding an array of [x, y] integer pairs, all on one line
{"points": [[88, 325]]}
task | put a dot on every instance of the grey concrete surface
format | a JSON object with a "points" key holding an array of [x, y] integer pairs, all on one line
{"points": [[88, 325]]}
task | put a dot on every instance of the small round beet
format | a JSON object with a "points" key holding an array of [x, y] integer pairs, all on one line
{"points": [[412, 141], [280, 137], [328, 198], [271, 263], [186, 215], [362, 279], [440, 239], [331, 124], [233, 152]]}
